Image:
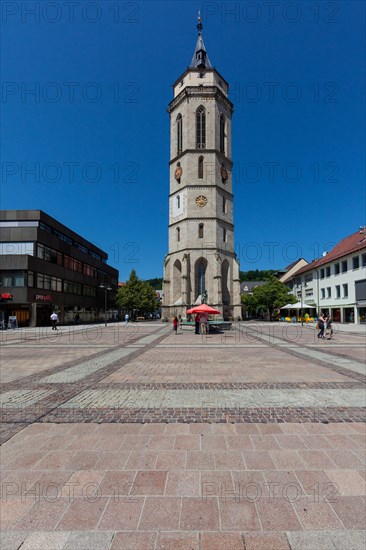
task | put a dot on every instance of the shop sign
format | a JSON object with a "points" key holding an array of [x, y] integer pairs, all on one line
{"points": [[6, 296], [43, 297]]}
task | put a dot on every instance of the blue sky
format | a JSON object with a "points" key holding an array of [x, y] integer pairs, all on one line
{"points": [[90, 145]]}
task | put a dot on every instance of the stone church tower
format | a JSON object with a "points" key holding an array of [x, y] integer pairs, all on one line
{"points": [[201, 259]]}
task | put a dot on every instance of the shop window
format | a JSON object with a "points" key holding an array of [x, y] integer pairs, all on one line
{"points": [[18, 278], [72, 288], [74, 265], [31, 279], [89, 291], [89, 270], [12, 278]]}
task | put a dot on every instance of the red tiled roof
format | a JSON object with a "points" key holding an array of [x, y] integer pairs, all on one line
{"points": [[352, 243], [292, 265]]}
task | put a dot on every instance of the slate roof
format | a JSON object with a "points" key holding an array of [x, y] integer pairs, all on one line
{"points": [[251, 285], [199, 46]]}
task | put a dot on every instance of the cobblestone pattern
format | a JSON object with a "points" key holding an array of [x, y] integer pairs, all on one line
{"points": [[234, 386], [168, 415]]}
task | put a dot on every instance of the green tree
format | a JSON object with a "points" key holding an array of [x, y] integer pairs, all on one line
{"points": [[269, 297], [137, 295], [156, 283], [256, 275]]}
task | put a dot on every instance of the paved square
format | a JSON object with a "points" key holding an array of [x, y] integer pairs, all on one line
{"points": [[132, 437]]}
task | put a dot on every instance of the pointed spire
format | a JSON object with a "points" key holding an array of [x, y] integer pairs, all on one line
{"points": [[199, 24], [200, 58]]}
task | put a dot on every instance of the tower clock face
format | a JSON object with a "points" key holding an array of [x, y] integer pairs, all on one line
{"points": [[201, 201]]}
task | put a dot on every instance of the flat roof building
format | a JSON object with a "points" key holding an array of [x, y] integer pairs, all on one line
{"points": [[46, 266]]}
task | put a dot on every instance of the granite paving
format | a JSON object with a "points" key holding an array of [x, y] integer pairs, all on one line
{"points": [[132, 437]]}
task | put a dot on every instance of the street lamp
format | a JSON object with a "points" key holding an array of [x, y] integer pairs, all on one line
{"points": [[302, 285], [106, 289]]}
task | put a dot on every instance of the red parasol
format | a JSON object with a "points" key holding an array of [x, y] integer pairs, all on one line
{"points": [[204, 308]]}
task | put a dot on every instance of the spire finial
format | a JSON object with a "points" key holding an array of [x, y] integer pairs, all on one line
{"points": [[199, 24]]}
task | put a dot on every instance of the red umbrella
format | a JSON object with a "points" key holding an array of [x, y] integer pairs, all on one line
{"points": [[204, 308]]}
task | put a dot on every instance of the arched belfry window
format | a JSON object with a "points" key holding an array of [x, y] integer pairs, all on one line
{"points": [[201, 128], [200, 230], [200, 167], [179, 134], [222, 134]]}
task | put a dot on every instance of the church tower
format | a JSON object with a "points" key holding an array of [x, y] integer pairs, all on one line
{"points": [[201, 263]]}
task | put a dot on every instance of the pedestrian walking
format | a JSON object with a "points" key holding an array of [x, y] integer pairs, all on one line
{"points": [[203, 323], [328, 328], [175, 325], [197, 324], [321, 326], [127, 318], [54, 320]]}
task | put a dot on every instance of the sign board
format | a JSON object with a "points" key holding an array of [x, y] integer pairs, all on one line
{"points": [[43, 297]]}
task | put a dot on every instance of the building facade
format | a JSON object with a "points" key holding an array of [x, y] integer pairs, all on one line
{"points": [[201, 262], [336, 283], [45, 266]]}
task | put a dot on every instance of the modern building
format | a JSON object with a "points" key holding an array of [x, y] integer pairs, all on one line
{"points": [[201, 261], [336, 283], [46, 266]]}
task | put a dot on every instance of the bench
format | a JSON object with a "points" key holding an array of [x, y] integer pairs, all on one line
{"points": [[140, 318]]}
